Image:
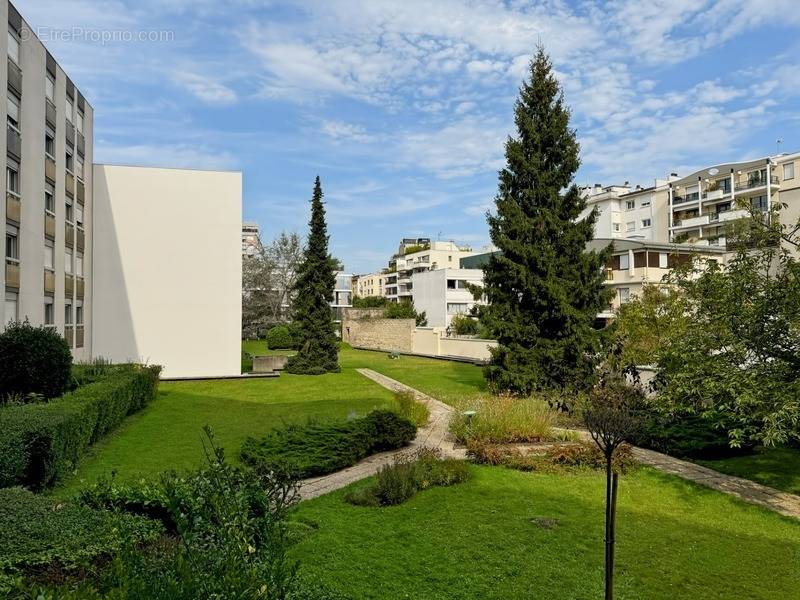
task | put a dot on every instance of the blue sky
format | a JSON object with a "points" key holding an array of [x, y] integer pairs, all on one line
{"points": [[402, 107]]}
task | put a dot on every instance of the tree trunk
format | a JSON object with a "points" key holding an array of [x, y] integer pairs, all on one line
{"points": [[611, 518]]}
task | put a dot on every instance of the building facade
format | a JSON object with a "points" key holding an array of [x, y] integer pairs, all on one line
{"points": [[48, 157], [443, 293], [417, 258], [251, 239], [371, 284], [342, 294], [625, 213]]}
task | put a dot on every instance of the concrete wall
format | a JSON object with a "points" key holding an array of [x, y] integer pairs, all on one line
{"points": [[366, 328], [431, 294], [168, 274], [466, 348]]}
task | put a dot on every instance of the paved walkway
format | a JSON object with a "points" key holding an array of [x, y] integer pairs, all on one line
{"points": [[435, 435]]}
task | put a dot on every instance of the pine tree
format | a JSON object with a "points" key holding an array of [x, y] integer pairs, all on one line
{"points": [[318, 344], [544, 289]]}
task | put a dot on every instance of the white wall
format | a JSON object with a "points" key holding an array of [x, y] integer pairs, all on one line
{"points": [[168, 269], [430, 293]]}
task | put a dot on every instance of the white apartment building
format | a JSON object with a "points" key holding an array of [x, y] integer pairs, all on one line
{"points": [[414, 258], [703, 203], [625, 213], [251, 238], [342, 294], [443, 293]]}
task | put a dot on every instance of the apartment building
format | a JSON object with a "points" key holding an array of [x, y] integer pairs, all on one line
{"points": [[625, 213], [48, 156], [423, 255], [342, 294], [251, 239], [371, 284], [443, 293], [703, 204]]}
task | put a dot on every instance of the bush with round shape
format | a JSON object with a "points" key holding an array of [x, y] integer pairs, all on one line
{"points": [[280, 338], [33, 360]]}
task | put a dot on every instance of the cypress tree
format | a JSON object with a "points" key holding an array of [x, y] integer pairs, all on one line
{"points": [[544, 288], [318, 344]]}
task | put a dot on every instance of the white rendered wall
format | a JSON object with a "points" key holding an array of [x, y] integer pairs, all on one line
{"points": [[430, 294], [168, 269]]}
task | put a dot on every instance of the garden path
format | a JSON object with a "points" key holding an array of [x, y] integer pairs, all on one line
{"points": [[435, 435]]}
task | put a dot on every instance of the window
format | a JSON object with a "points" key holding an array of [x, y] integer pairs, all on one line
{"points": [[68, 261], [49, 198], [457, 308], [12, 176], [68, 312], [13, 47], [624, 262], [50, 88], [630, 204], [624, 295], [630, 226], [12, 305], [69, 110], [451, 284], [70, 212], [79, 215], [70, 163], [50, 143], [645, 203], [12, 243], [646, 222], [80, 122], [788, 171], [49, 311], [12, 110], [49, 255], [616, 226], [79, 167], [79, 313], [663, 260], [759, 203], [449, 258], [79, 264]]}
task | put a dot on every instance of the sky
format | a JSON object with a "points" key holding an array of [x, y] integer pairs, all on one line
{"points": [[403, 107]]}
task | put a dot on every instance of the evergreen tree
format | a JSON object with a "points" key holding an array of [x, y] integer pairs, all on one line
{"points": [[544, 288], [318, 344]]}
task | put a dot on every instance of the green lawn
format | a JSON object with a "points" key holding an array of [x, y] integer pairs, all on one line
{"points": [[167, 434], [252, 348], [481, 540], [775, 467]]}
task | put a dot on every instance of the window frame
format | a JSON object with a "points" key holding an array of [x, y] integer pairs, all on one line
{"points": [[791, 166], [69, 257], [649, 223], [50, 252], [12, 244], [52, 87], [13, 36], [12, 99]]}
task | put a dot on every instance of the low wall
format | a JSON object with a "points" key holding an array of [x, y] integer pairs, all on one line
{"points": [[466, 348], [366, 328]]}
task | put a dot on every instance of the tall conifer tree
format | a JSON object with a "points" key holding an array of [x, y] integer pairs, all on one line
{"points": [[544, 289], [318, 344]]}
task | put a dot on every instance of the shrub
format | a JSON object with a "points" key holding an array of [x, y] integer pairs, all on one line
{"points": [[588, 454], [85, 373], [396, 483], [321, 448], [404, 310], [33, 360], [40, 443], [280, 338], [583, 454], [503, 419], [464, 325], [687, 435], [41, 534], [412, 409]]}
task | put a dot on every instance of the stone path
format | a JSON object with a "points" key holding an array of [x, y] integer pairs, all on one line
{"points": [[435, 435]]}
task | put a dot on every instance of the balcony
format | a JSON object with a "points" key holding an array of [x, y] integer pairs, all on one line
{"points": [[81, 191], [69, 285], [13, 207], [50, 113], [49, 226], [14, 77], [49, 282], [693, 221], [712, 195], [14, 142], [755, 182], [69, 235], [70, 131], [12, 274], [69, 334], [80, 239], [81, 144], [80, 287], [693, 197], [50, 169], [69, 185], [728, 215], [79, 336]]}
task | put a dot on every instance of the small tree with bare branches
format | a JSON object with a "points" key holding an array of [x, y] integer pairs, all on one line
{"points": [[612, 417]]}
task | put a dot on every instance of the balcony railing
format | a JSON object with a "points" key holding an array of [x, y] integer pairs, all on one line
{"points": [[50, 112], [79, 336], [69, 235], [728, 215], [50, 226], [50, 169], [12, 274], [14, 141], [755, 182], [80, 287], [49, 281], [693, 221], [69, 185], [14, 77], [13, 206], [686, 198], [68, 334]]}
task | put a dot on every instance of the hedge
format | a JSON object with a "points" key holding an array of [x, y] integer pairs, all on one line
{"points": [[40, 443], [39, 532], [321, 448]]}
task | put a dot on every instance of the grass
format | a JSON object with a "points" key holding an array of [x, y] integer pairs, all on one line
{"points": [[506, 534], [503, 419], [167, 434], [252, 348], [776, 467]]}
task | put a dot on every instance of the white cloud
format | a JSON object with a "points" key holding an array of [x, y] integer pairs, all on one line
{"points": [[176, 156], [339, 130], [206, 88]]}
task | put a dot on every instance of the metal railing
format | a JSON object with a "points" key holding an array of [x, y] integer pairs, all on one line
{"points": [[755, 182]]}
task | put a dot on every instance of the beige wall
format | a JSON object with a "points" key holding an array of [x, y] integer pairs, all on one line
{"points": [[366, 328], [168, 278]]}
